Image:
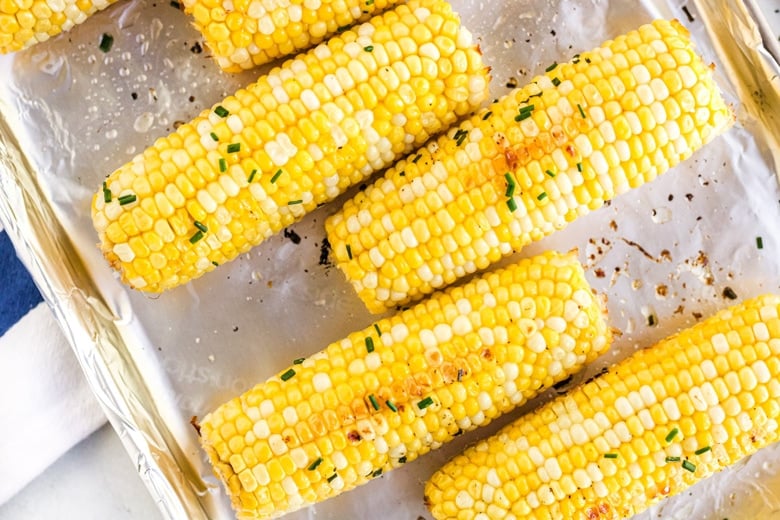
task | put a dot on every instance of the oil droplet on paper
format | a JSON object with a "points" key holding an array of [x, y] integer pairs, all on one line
{"points": [[143, 122]]}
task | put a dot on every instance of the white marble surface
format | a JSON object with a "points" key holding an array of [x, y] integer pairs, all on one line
{"points": [[97, 480]]}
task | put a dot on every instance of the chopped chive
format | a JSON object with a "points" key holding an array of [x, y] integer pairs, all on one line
{"points": [[378, 331], [221, 111], [368, 48], [127, 199], [522, 115], [672, 434], [538, 94], [342, 28], [377, 472], [462, 138], [550, 173], [234, 147], [252, 176], [551, 67], [510, 184], [106, 42], [556, 82], [214, 136], [287, 375], [276, 175], [369, 2], [700, 451], [391, 405], [542, 196], [417, 158], [672, 459], [215, 264], [582, 112], [527, 108], [402, 460], [512, 205], [373, 401], [425, 403], [332, 477], [369, 345], [196, 237], [298, 361], [201, 226], [294, 202], [314, 464], [759, 242], [487, 115], [579, 167], [349, 252], [106, 193], [222, 165], [688, 465], [610, 455]]}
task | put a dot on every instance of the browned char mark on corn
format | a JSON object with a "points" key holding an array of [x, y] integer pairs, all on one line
{"points": [[24, 23], [295, 139], [586, 131], [245, 33], [389, 393], [650, 427]]}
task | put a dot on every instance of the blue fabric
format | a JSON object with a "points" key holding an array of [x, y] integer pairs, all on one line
{"points": [[18, 294]]}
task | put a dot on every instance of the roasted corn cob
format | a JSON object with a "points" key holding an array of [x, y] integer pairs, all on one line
{"points": [[245, 33], [395, 390], [648, 428], [297, 138], [26, 22], [586, 131]]}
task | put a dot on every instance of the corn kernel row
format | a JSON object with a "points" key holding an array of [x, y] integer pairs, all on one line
{"points": [[295, 139], [609, 120], [26, 22], [243, 34], [387, 394], [648, 428]]}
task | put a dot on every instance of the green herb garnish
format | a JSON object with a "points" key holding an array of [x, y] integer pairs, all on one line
{"points": [[579, 167], [276, 176], [106, 193], [298, 361], [368, 48], [373, 401], [197, 237], [688, 465], [201, 226], [222, 165], [221, 111], [703, 450], [672, 434], [349, 252], [551, 67], [512, 205], [214, 136], [550, 173], [315, 464], [391, 405], [294, 202], [252, 176], [369, 345], [542, 196], [759, 242], [127, 199], [378, 331], [287, 375], [510, 184], [672, 459], [610, 455], [234, 147], [582, 112], [425, 403], [487, 115], [556, 82], [332, 477]]}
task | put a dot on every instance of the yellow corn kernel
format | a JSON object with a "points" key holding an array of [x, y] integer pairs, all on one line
{"points": [[563, 145], [448, 379], [605, 454], [229, 179]]}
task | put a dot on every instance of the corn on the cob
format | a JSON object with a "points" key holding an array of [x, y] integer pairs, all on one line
{"points": [[649, 427], [243, 34], [26, 22], [297, 138], [395, 390], [586, 131]]}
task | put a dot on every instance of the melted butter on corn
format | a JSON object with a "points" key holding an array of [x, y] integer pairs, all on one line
{"points": [[293, 140], [648, 428], [24, 23], [245, 33], [608, 121], [389, 393]]}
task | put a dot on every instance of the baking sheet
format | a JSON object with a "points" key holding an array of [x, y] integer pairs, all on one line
{"points": [[70, 114]]}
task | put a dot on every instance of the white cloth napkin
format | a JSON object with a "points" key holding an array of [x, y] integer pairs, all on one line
{"points": [[45, 405]]}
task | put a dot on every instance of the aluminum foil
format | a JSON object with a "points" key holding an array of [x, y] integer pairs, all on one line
{"points": [[677, 249]]}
